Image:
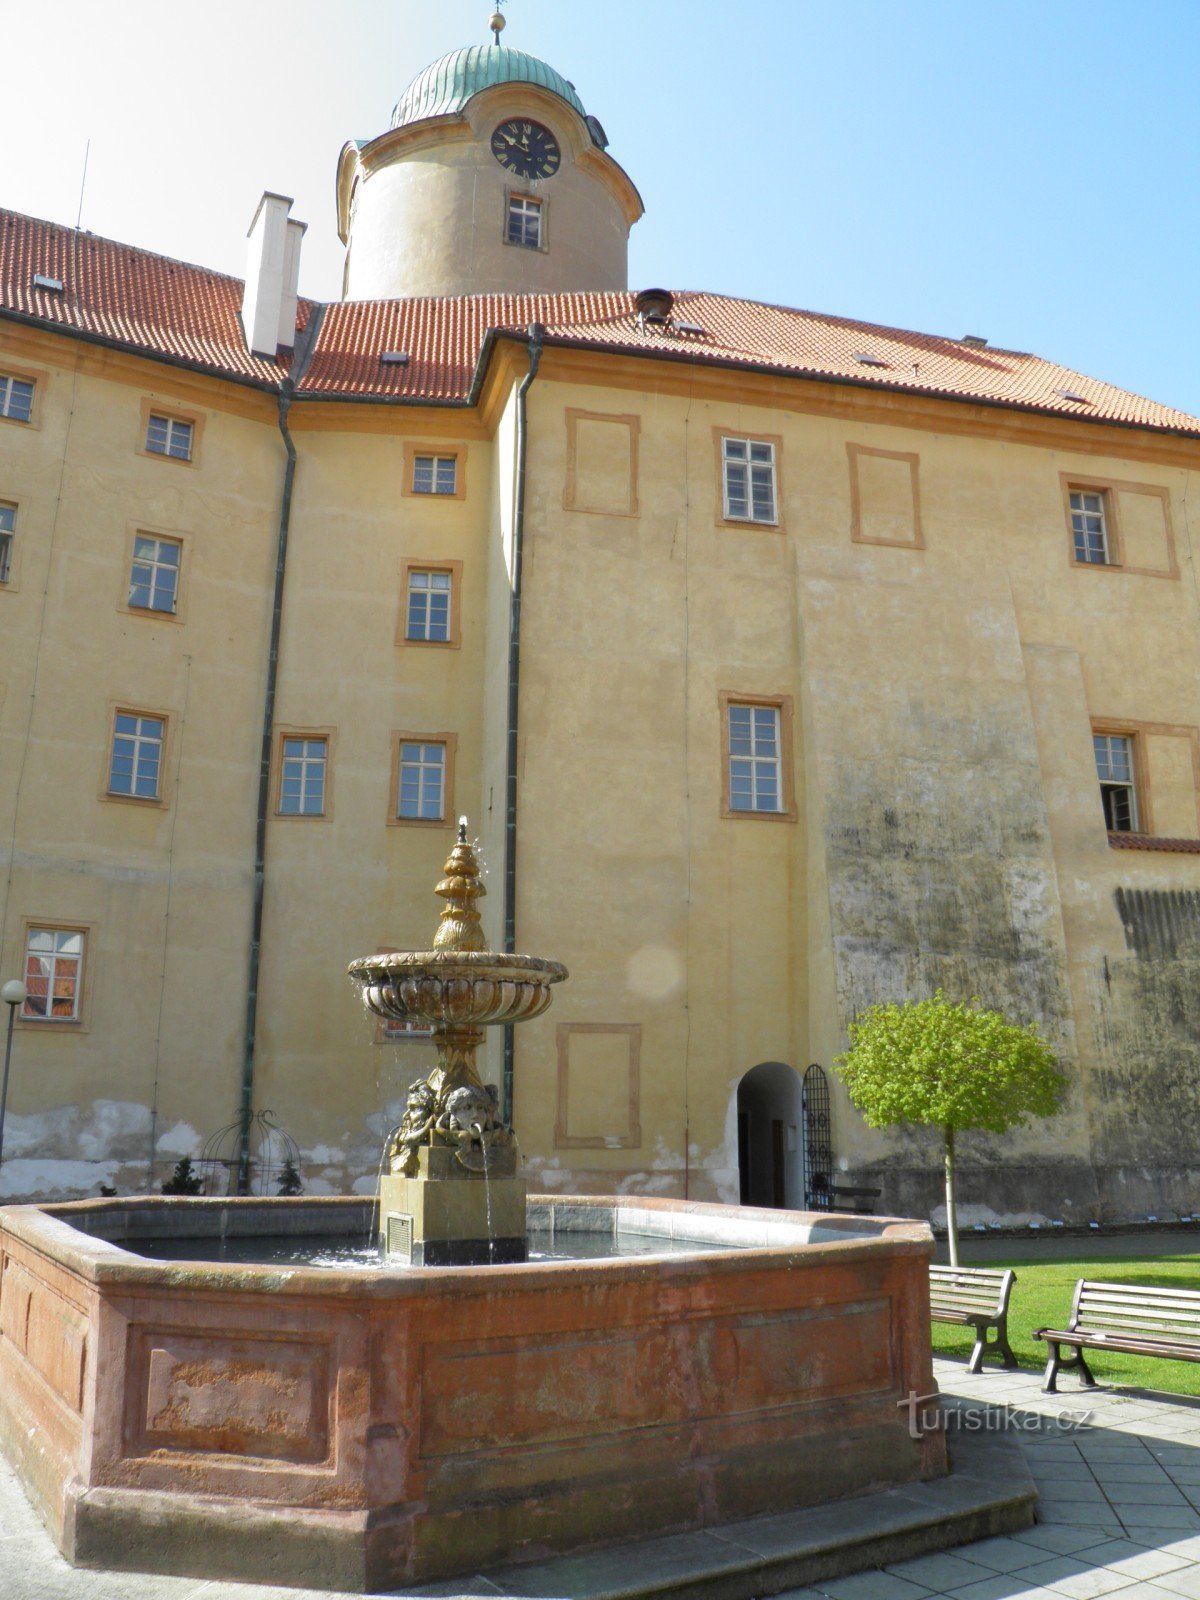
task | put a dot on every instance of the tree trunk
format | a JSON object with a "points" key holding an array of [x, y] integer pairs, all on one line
{"points": [[951, 1203]]}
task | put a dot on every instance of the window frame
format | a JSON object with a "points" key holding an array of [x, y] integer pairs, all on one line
{"points": [[453, 569], [414, 448], [1139, 733], [123, 709], [283, 732], [524, 198], [775, 440], [782, 704], [449, 742], [1136, 784], [79, 1022], [39, 378], [8, 578], [152, 406], [1108, 525], [163, 535]]}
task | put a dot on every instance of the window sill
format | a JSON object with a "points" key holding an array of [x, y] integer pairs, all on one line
{"points": [[1147, 841]]}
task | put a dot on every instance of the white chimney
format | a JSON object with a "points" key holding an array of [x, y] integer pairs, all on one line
{"points": [[272, 276]]}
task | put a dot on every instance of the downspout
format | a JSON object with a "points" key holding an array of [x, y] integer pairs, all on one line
{"points": [[536, 335], [286, 392]]}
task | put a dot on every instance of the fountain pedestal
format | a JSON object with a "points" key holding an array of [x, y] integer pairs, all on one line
{"points": [[451, 1194], [447, 1216]]}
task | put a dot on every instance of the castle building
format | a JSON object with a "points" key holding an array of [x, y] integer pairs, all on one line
{"points": [[782, 663]]}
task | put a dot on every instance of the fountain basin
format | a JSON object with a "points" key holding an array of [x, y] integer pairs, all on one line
{"points": [[359, 1430]]}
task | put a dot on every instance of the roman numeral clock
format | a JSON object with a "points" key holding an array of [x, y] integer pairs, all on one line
{"points": [[526, 149]]}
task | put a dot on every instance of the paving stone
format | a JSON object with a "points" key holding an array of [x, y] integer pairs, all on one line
{"points": [[1062, 1539], [874, 1586], [1184, 1517], [1009, 1587], [1185, 1582], [1121, 1492], [1124, 1555], [1007, 1554], [1067, 1575], [945, 1570]]}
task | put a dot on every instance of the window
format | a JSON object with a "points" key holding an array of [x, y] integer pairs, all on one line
{"points": [[435, 474], [422, 788], [16, 399], [136, 763], [154, 575], [524, 222], [1118, 791], [1089, 527], [749, 480], [8, 527], [302, 777], [393, 1028], [754, 758], [429, 606], [169, 436], [756, 753], [53, 974]]}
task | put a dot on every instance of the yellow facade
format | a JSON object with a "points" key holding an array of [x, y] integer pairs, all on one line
{"points": [[910, 617], [940, 659]]}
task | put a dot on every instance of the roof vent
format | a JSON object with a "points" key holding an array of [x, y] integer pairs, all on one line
{"points": [[1071, 394], [653, 307], [975, 340], [393, 358], [41, 281], [865, 360], [688, 327]]}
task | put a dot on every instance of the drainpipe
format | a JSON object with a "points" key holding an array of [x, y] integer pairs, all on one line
{"points": [[286, 391], [536, 335]]}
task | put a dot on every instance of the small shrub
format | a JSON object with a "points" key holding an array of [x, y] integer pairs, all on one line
{"points": [[289, 1179], [183, 1180]]}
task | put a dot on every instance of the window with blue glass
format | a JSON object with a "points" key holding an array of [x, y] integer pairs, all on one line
{"points": [[430, 594], [16, 399], [302, 777], [421, 791], [435, 474], [135, 770], [755, 759], [169, 436], [154, 575], [8, 530]]}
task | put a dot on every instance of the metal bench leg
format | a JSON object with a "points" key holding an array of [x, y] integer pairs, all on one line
{"points": [[976, 1362], [1085, 1372], [1004, 1348], [1050, 1382]]}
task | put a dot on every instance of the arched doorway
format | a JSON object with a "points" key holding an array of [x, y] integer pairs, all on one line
{"points": [[770, 1122]]}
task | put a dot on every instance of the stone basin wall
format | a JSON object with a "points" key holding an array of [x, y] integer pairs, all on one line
{"points": [[358, 1430]]}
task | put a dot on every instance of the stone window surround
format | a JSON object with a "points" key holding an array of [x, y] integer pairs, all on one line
{"points": [[124, 708], [448, 817], [308, 730], [783, 704], [1074, 482], [414, 448], [1137, 733], [80, 1023], [153, 406], [454, 569]]}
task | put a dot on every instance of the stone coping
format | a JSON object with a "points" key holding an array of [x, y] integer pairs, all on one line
{"points": [[79, 1235]]}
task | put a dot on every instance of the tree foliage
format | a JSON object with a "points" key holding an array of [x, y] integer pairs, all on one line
{"points": [[950, 1065]]}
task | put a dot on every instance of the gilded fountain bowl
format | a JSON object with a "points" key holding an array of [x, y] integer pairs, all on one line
{"points": [[456, 988]]}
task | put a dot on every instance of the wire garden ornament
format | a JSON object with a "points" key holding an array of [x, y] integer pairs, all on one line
{"points": [[274, 1159]]}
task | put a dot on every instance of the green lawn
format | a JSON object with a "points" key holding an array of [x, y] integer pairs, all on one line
{"points": [[1042, 1296]]}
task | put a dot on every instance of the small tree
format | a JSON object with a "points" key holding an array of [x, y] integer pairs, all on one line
{"points": [[949, 1066], [183, 1180], [289, 1178]]}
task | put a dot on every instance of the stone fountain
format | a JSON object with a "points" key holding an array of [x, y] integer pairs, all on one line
{"points": [[451, 1194]]}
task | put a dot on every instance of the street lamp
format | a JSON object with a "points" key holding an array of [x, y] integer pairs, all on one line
{"points": [[13, 995]]}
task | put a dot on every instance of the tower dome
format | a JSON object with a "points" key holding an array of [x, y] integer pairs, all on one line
{"points": [[446, 86], [490, 179]]}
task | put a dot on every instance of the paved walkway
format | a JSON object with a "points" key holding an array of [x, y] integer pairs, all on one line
{"points": [[1118, 1509]]}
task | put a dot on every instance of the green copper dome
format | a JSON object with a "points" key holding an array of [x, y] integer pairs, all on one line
{"points": [[448, 84]]}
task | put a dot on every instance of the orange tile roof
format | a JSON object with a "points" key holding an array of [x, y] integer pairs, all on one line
{"points": [[1146, 841], [169, 309]]}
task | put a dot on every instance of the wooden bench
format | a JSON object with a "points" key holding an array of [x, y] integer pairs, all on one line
{"points": [[1127, 1317], [975, 1297]]}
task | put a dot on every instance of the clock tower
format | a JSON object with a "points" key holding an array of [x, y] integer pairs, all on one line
{"points": [[491, 179]]}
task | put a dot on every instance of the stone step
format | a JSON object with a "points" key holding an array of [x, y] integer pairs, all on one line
{"points": [[988, 1492]]}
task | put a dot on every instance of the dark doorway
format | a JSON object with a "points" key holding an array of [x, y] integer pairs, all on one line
{"points": [[769, 1124]]}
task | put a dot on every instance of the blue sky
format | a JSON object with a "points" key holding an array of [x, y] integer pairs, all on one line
{"points": [[1026, 171]]}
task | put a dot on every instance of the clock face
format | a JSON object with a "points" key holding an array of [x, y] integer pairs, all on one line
{"points": [[526, 148]]}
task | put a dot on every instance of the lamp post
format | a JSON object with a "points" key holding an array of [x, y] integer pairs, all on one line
{"points": [[13, 995]]}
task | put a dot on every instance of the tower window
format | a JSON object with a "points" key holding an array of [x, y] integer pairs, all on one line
{"points": [[524, 222]]}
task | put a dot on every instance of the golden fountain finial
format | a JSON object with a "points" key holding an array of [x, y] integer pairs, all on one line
{"points": [[496, 22], [459, 927]]}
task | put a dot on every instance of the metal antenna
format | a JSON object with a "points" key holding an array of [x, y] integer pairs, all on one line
{"points": [[83, 184]]}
